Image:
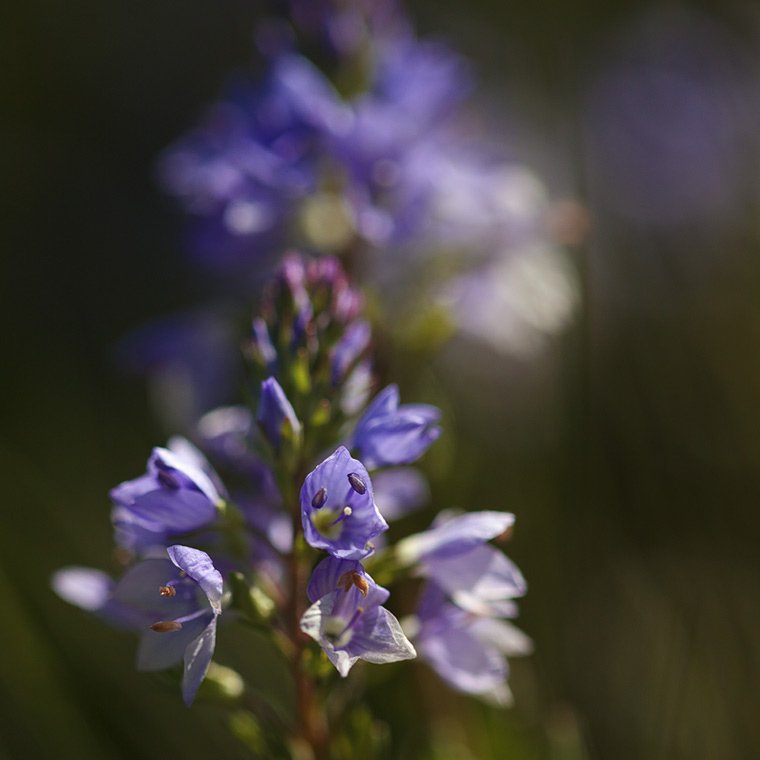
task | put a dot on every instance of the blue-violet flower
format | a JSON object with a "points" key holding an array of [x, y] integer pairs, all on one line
{"points": [[178, 493], [338, 510], [389, 434], [174, 602], [347, 619], [276, 416]]}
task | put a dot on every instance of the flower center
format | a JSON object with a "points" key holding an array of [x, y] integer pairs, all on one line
{"points": [[328, 522], [339, 632]]}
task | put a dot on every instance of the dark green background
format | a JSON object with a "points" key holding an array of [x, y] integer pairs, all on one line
{"points": [[629, 451]]}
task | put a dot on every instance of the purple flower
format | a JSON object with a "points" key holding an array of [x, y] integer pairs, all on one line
{"points": [[226, 433], [261, 345], [415, 88], [344, 29], [481, 580], [178, 493], [240, 174], [454, 555], [389, 434], [468, 651], [400, 491], [451, 535], [349, 350], [338, 509], [347, 619], [173, 602], [276, 416]]}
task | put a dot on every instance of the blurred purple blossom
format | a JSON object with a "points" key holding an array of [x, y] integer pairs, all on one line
{"points": [[178, 493], [455, 556], [275, 415], [399, 491], [255, 154], [391, 434], [468, 651], [228, 434]]}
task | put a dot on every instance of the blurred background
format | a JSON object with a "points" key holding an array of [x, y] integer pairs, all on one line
{"points": [[627, 442]]}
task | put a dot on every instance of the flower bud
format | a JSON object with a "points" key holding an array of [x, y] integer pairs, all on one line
{"points": [[276, 416]]}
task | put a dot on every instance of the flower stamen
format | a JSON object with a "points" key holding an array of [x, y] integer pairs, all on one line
{"points": [[346, 512], [166, 626], [357, 483], [320, 497], [353, 578]]}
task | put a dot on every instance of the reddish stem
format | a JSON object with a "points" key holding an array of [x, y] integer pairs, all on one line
{"points": [[311, 726]]}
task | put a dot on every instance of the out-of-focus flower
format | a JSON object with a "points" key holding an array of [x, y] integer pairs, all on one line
{"points": [[178, 493], [276, 416], [454, 555], [468, 651], [347, 619], [389, 434], [228, 435], [479, 202], [173, 602], [225, 434], [398, 125], [453, 534], [290, 159], [338, 510], [241, 172], [471, 586], [400, 491], [349, 349], [516, 302], [343, 29]]}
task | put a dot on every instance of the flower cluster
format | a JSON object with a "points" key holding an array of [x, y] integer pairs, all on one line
{"points": [[273, 512], [293, 532], [368, 152], [354, 137]]}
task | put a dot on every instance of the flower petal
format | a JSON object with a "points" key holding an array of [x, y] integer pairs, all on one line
{"points": [[400, 491], [198, 656], [456, 535], [382, 640], [198, 565], [158, 651], [482, 574], [458, 656], [84, 587], [337, 507], [138, 589]]}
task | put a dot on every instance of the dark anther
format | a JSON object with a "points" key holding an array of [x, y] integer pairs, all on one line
{"points": [[357, 483], [320, 497]]}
